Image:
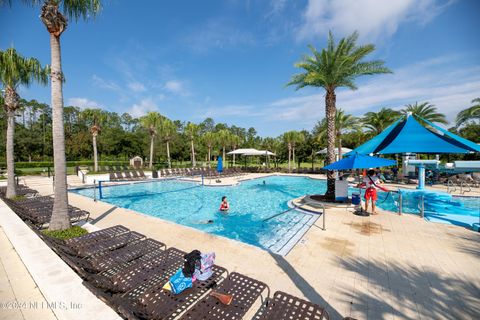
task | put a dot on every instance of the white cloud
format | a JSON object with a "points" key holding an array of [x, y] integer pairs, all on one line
{"points": [[373, 19], [102, 83], [140, 109], [83, 103], [176, 87], [136, 86], [435, 80]]}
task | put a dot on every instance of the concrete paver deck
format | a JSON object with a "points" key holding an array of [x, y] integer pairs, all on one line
{"points": [[19, 296], [379, 267]]}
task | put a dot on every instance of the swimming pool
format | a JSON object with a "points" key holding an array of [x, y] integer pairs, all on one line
{"points": [[252, 202]]}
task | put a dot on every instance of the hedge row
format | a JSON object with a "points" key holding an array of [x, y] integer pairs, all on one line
{"points": [[43, 164]]}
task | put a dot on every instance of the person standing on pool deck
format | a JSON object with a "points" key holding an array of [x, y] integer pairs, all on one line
{"points": [[370, 182], [224, 206]]}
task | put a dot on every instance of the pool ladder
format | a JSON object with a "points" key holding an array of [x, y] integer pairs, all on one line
{"points": [[452, 187]]}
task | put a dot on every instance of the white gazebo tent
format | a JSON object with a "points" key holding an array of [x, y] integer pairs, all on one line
{"points": [[252, 152], [241, 152]]}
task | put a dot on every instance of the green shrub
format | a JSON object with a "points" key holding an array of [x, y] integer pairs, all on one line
{"points": [[18, 198], [69, 233]]}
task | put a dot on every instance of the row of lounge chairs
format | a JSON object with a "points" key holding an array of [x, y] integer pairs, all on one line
{"points": [[465, 179], [206, 172], [128, 175], [127, 270], [284, 170], [112, 168], [21, 189], [38, 210]]}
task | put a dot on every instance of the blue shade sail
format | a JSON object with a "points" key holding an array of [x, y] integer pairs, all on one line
{"points": [[360, 161], [407, 135]]}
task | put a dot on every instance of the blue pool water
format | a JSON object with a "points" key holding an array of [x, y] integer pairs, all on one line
{"points": [[252, 201]]}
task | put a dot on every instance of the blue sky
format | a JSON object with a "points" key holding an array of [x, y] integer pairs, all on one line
{"points": [[230, 60]]}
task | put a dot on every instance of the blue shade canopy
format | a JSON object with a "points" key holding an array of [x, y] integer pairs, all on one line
{"points": [[360, 161], [219, 164], [407, 135]]}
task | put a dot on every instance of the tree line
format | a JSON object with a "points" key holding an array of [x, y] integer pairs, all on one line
{"points": [[337, 65], [120, 136]]}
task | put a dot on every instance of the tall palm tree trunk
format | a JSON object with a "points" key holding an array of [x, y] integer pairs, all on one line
{"points": [[234, 158], [293, 158], [150, 165], [60, 219], [330, 110], [224, 162], [193, 154], [289, 156], [168, 155], [209, 156], [95, 157], [11, 188], [340, 154]]}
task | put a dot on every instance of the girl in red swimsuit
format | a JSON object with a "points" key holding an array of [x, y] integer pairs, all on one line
{"points": [[224, 206]]}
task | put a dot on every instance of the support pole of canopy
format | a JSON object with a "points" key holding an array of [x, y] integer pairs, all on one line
{"points": [[421, 177]]}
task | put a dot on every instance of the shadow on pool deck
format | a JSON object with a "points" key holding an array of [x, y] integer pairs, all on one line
{"points": [[410, 293], [308, 291], [103, 215], [469, 245]]}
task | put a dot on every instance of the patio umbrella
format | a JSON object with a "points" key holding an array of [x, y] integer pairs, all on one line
{"points": [[360, 161], [219, 165]]}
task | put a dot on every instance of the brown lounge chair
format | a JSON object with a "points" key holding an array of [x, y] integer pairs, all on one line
{"points": [[106, 260], [245, 291], [157, 303], [72, 245], [284, 306]]}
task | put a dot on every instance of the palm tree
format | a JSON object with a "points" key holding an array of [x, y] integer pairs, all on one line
{"points": [[234, 142], [298, 138], [56, 23], [224, 136], [336, 66], [271, 144], [376, 122], [426, 111], [289, 138], [95, 118], [210, 140], [343, 123], [191, 130], [167, 130], [472, 113], [151, 121], [16, 70]]}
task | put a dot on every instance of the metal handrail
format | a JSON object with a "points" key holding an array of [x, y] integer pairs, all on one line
{"points": [[323, 212], [451, 184], [462, 184]]}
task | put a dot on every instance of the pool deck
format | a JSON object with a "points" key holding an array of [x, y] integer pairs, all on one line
{"points": [[379, 267]]}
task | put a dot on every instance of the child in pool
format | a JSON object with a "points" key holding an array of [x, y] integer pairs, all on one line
{"points": [[224, 206]]}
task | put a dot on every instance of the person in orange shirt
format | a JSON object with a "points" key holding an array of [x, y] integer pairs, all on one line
{"points": [[371, 182]]}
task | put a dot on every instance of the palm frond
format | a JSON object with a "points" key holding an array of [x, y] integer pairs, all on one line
{"points": [[337, 65]]}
